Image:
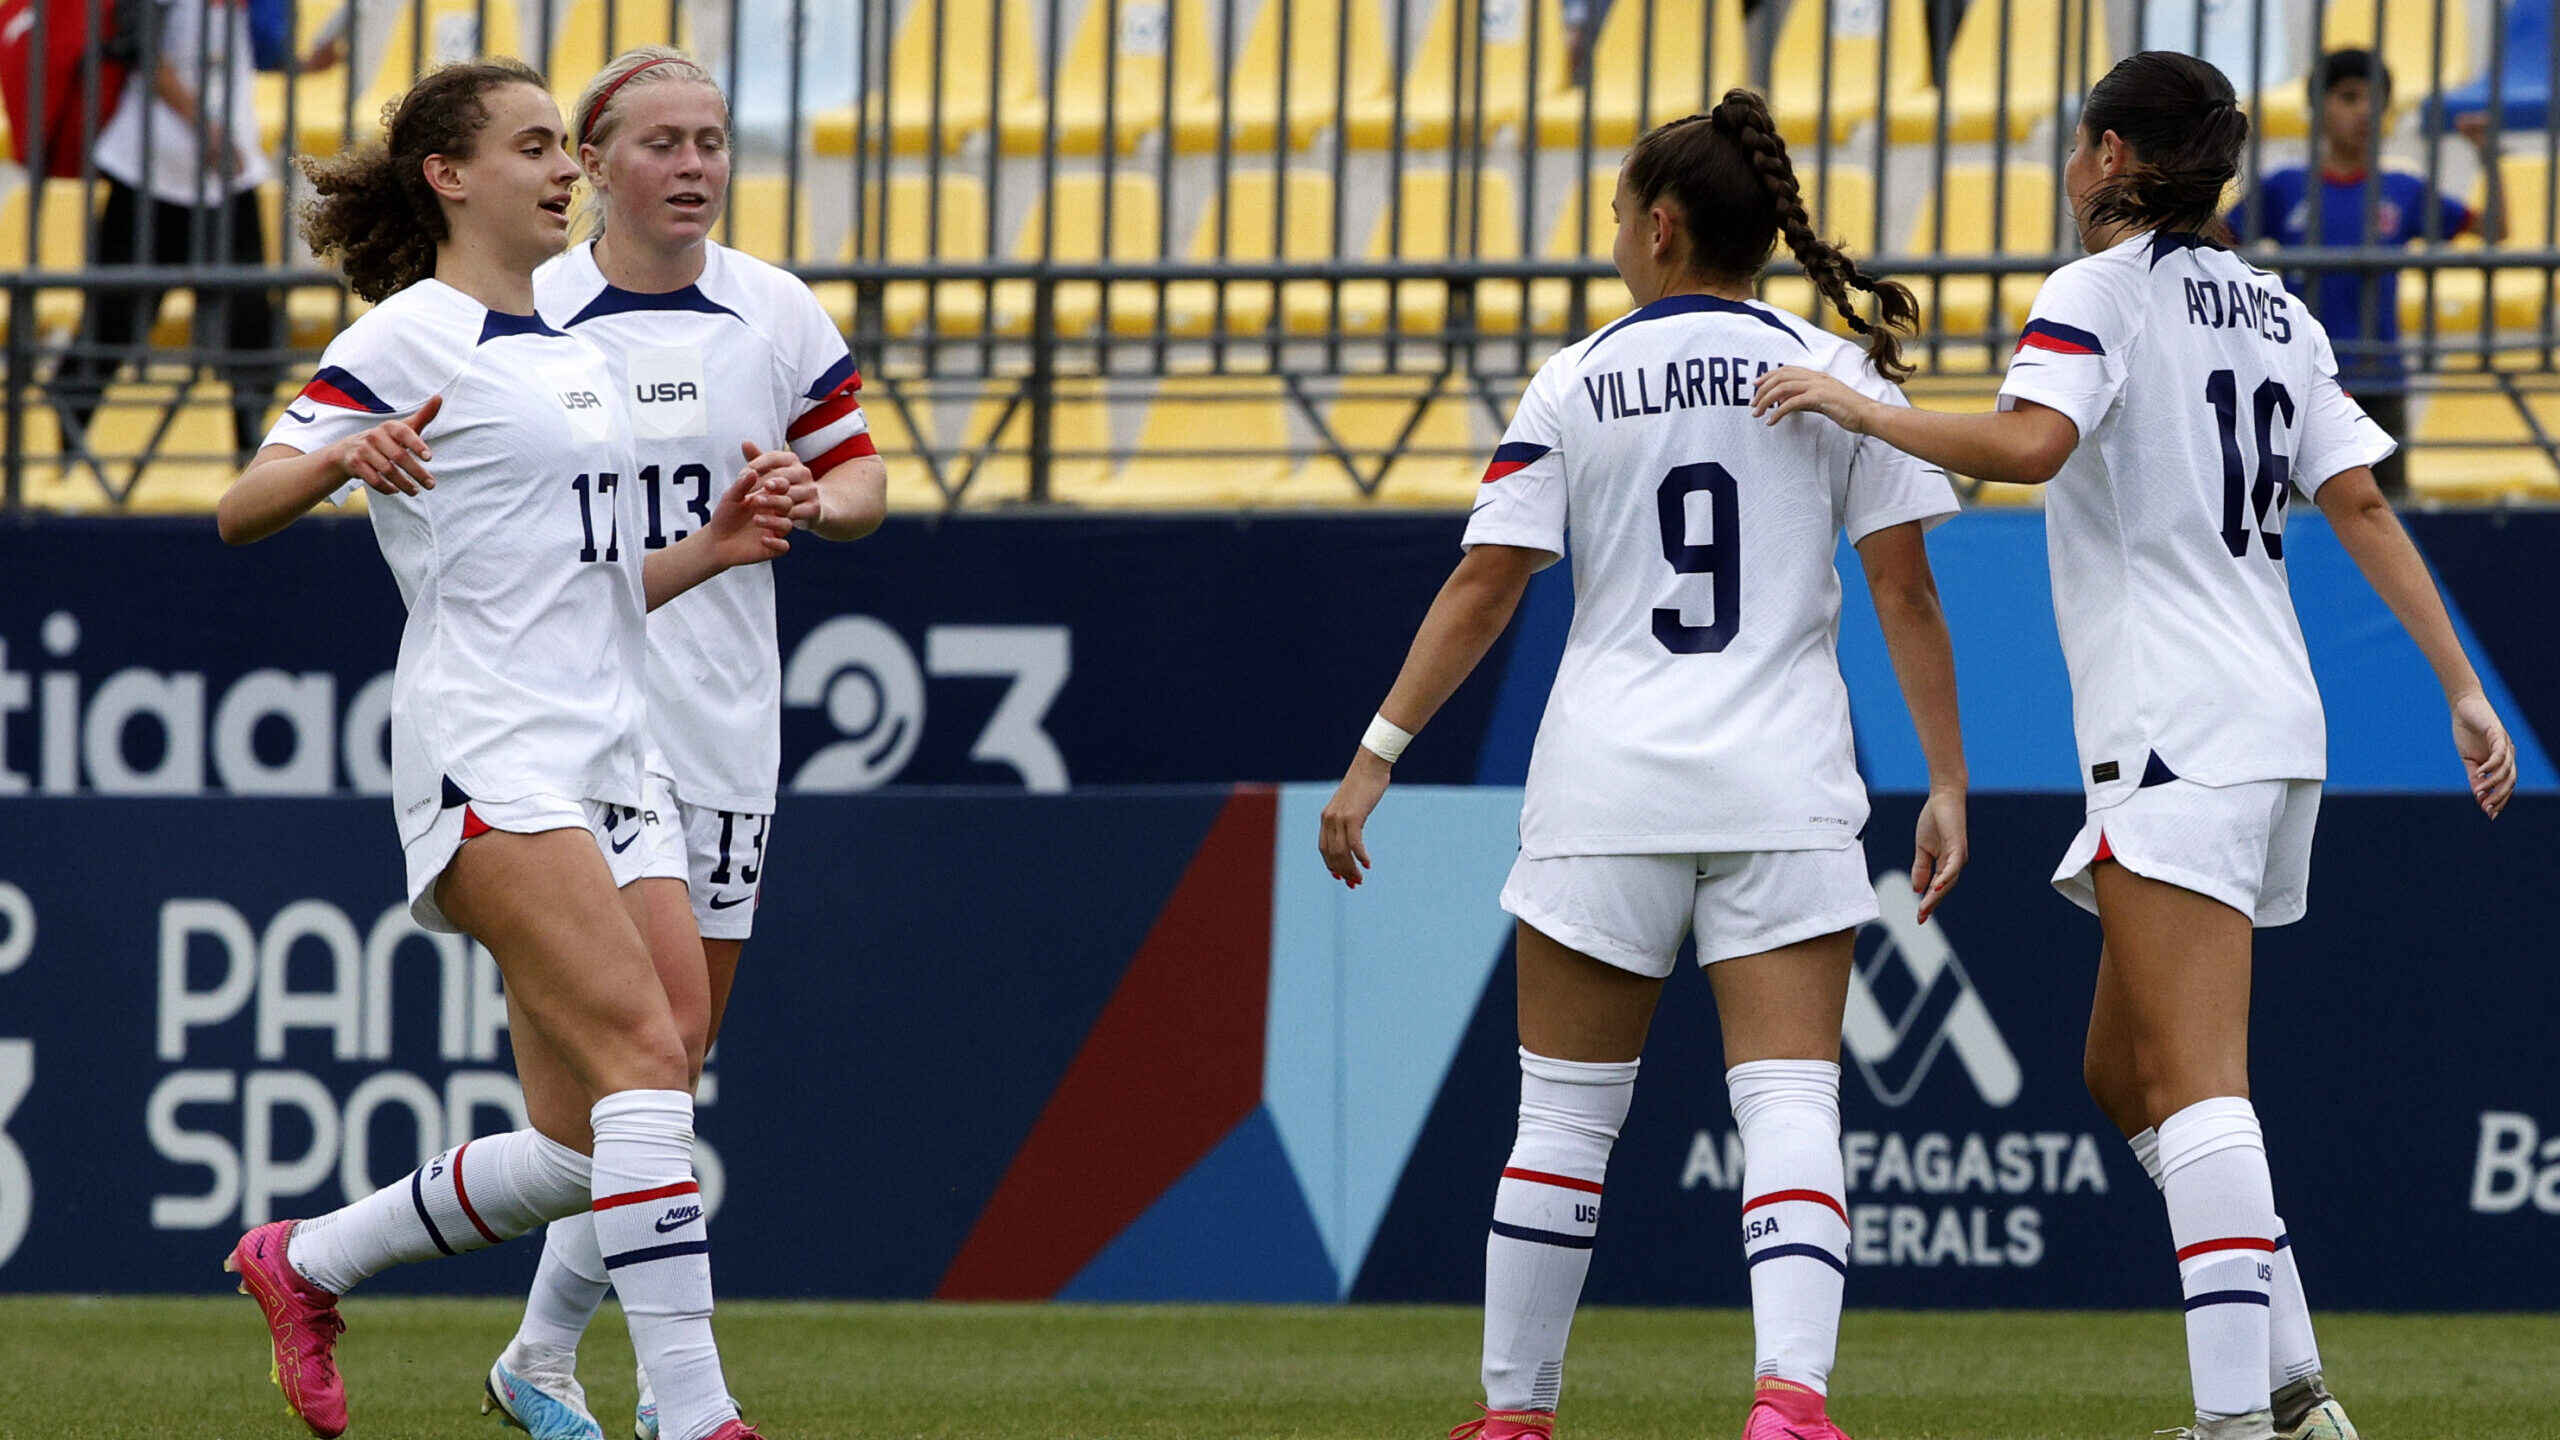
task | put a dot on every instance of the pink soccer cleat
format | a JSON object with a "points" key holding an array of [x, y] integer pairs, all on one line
{"points": [[1507, 1425], [734, 1430], [302, 1320], [1784, 1410]]}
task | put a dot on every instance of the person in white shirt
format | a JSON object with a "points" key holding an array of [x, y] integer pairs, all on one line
{"points": [[719, 355], [1694, 773], [2175, 399], [180, 157], [505, 500]]}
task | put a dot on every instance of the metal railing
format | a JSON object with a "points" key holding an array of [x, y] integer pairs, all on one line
{"points": [[1025, 209]]}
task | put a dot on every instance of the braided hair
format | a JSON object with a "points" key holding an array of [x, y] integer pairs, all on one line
{"points": [[1731, 164], [2184, 124], [373, 208]]}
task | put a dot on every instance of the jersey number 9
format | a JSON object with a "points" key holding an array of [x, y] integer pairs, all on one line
{"points": [[1720, 557]]}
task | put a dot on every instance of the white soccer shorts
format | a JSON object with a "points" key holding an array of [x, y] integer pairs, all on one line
{"points": [[1632, 910], [618, 830], [2247, 845]]}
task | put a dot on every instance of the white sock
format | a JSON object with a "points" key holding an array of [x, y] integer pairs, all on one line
{"points": [[649, 1226], [1545, 1213], [567, 1288], [1795, 1230], [2222, 1217], [468, 1198], [2146, 1149], [2292, 1353]]}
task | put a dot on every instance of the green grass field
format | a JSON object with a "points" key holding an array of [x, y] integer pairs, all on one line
{"points": [[106, 1369]]}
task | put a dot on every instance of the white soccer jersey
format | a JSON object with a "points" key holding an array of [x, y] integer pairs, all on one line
{"points": [[2204, 395], [520, 666], [1699, 706], [743, 354]]}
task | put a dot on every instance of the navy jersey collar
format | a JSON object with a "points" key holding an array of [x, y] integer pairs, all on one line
{"points": [[614, 300], [1670, 305], [499, 323], [2165, 243]]}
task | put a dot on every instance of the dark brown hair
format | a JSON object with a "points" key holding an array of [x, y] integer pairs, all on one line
{"points": [[2185, 127], [372, 208], [1728, 171]]}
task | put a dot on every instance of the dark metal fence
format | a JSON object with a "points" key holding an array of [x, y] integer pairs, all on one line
{"points": [[1254, 252]]}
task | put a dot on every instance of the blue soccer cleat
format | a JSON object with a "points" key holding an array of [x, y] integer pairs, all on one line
{"points": [[539, 1394]]}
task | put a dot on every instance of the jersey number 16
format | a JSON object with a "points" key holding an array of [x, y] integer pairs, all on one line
{"points": [[2275, 471]]}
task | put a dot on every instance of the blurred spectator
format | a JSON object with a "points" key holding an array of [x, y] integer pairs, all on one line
{"points": [[2350, 91], [181, 160]]}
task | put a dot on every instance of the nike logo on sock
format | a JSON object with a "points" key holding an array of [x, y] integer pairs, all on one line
{"points": [[678, 1218]]}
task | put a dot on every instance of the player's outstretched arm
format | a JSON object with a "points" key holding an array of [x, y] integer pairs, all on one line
{"points": [[750, 525], [1471, 610], [282, 483], [1915, 635], [2362, 518], [2021, 446]]}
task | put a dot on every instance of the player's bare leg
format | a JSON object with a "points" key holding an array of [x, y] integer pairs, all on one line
{"points": [[2176, 965], [1780, 1013], [720, 961]]}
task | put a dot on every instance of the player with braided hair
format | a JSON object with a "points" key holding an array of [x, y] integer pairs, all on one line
{"points": [[1694, 774], [2176, 399]]}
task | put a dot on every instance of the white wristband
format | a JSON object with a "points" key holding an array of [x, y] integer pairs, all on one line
{"points": [[1386, 739]]}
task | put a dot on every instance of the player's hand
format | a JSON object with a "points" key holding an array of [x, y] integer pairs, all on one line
{"points": [[1347, 814], [786, 470], [1792, 388], [752, 523], [1938, 851], [2488, 757], [391, 457], [2474, 127]]}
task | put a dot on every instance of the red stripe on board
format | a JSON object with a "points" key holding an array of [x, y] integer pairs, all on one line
{"points": [[853, 449], [1172, 1066], [1542, 1177], [643, 1197], [1775, 1197], [465, 1196], [2237, 1242], [823, 414]]}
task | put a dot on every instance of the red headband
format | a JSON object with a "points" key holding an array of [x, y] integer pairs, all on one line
{"points": [[588, 128]]}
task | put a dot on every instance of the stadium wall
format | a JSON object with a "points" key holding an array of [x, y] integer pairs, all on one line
{"points": [[1126, 1041]]}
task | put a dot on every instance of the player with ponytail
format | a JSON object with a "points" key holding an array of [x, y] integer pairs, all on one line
{"points": [[2176, 399], [1694, 774]]}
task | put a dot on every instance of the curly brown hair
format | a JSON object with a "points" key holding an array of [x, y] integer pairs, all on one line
{"points": [[371, 208], [1737, 192]]}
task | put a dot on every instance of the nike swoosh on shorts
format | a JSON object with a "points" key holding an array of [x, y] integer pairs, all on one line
{"points": [[723, 902]]}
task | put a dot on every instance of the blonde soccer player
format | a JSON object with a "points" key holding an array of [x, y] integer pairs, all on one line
{"points": [[721, 358], [1694, 773], [500, 456], [2174, 399]]}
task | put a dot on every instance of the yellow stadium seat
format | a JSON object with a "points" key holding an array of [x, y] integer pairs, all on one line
{"points": [[1863, 34], [914, 223], [1255, 104], [318, 101], [2441, 467], [896, 415], [1486, 87], [2029, 226], [1128, 83], [1438, 460], [1582, 233], [414, 38], [1208, 441], [1435, 222], [943, 45], [1077, 238], [61, 244], [191, 461], [2037, 32], [1842, 201], [586, 34], [1256, 230], [2408, 50], [754, 220], [998, 440], [1654, 60]]}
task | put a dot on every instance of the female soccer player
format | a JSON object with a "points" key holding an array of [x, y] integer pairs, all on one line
{"points": [[1694, 772], [2175, 397], [719, 354], [517, 709]]}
